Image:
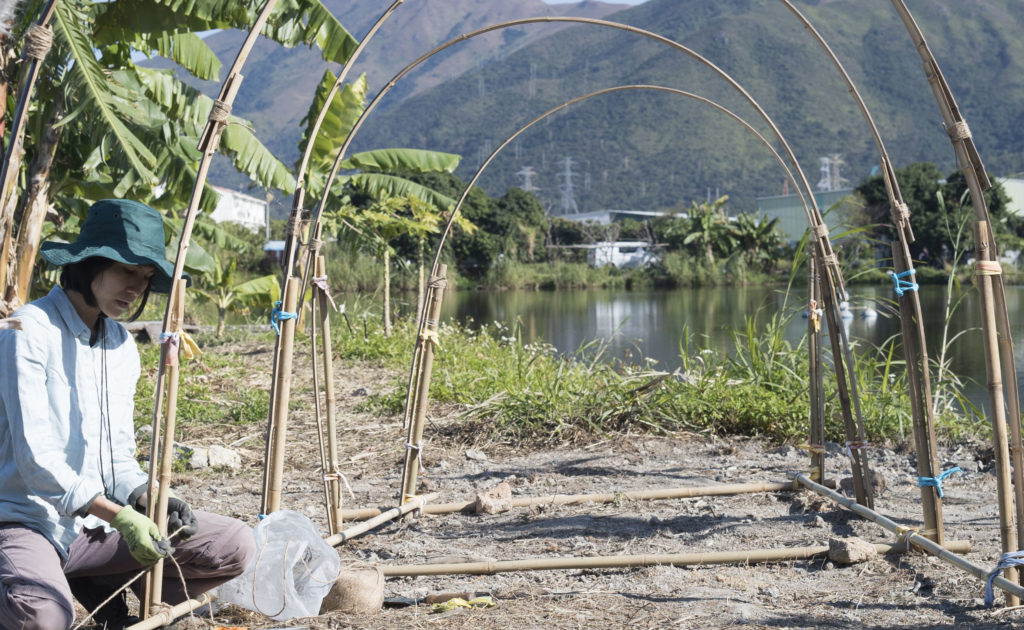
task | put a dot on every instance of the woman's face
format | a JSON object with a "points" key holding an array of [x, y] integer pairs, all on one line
{"points": [[117, 286]]}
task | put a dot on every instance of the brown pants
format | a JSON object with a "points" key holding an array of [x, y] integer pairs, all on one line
{"points": [[34, 591]]}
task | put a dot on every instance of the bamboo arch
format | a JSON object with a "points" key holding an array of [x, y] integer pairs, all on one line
{"points": [[416, 388], [833, 284]]}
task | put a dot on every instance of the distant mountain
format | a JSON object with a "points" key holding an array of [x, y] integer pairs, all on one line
{"points": [[649, 151], [279, 82]]}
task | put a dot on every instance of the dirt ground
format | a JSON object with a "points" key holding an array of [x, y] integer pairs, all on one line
{"points": [[894, 591]]}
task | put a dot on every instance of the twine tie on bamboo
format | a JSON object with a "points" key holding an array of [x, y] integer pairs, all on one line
{"points": [[958, 131], [902, 213], [38, 40], [900, 285], [337, 475], [987, 268], [903, 534], [1006, 560], [278, 315], [936, 482], [173, 341], [850, 447], [419, 452], [220, 112], [813, 448], [431, 336], [320, 282], [815, 314]]}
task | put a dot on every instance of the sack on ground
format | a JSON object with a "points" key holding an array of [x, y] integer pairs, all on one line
{"points": [[292, 572]]}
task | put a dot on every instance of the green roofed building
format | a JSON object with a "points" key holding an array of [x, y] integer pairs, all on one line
{"points": [[834, 205]]}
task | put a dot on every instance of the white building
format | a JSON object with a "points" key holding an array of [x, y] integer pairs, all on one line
{"points": [[622, 254], [236, 207]]}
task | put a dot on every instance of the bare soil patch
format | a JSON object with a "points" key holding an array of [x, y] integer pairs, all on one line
{"points": [[895, 591]]}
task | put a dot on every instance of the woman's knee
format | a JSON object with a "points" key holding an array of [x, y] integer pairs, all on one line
{"points": [[40, 611]]}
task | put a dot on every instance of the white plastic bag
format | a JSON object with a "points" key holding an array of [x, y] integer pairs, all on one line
{"points": [[293, 571]]}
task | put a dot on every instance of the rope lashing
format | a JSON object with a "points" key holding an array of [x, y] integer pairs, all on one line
{"points": [[903, 534], [902, 213], [936, 482], [850, 447], [337, 475], [431, 336], [900, 285], [815, 314], [1006, 560], [220, 112], [314, 245], [419, 452], [813, 448], [821, 230], [38, 40], [278, 315], [987, 268], [958, 131], [173, 341], [830, 260], [320, 282]]}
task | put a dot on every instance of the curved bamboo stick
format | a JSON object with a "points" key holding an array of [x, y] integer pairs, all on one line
{"points": [[15, 151], [603, 497], [912, 322], [753, 556], [1002, 369], [209, 141], [418, 388]]}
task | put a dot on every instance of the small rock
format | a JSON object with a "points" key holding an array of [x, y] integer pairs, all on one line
{"points": [[785, 451], [360, 392], [198, 457], [474, 454], [221, 457], [496, 500], [817, 521], [850, 550]]}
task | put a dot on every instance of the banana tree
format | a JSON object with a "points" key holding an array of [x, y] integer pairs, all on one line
{"points": [[218, 288], [708, 226], [124, 130]]}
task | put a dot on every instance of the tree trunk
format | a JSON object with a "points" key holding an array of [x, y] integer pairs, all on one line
{"points": [[387, 292], [221, 316], [33, 214]]}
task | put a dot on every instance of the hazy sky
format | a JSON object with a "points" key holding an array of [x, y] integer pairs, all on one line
{"points": [[609, 1]]}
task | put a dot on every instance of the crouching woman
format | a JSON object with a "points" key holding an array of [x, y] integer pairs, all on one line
{"points": [[72, 496]]}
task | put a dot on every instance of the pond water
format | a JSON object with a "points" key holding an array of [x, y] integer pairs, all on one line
{"points": [[652, 323]]}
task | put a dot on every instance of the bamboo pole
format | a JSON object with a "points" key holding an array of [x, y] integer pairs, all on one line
{"points": [[816, 436], [753, 556], [977, 181], [331, 471], [425, 348], [608, 497], [1012, 589], [168, 615], [357, 530], [1000, 447], [156, 507], [278, 427]]}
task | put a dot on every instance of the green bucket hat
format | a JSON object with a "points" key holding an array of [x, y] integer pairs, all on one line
{"points": [[123, 230]]}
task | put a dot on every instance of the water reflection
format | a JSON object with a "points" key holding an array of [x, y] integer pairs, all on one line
{"points": [[652, 323]]}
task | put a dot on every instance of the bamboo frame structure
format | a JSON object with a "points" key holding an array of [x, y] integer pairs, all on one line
{"points": [[169, 614], [424, 361], [208, 144], [601, 497], [752, 556], [908, 535], [911, 320], [14, 151], [329, 464], [1001, 368]]}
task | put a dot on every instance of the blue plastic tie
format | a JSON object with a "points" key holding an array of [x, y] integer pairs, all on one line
{"points": [[936, 482], [902, 286], [1007, 560], [260, 517], [277, 315]]}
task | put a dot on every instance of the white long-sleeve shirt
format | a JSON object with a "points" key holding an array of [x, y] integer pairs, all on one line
{"points": [[54, 456]]}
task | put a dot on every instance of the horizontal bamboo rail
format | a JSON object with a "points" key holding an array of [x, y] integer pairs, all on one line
{"points": [[645, 560], [925, 544], [577, 499], [169, 614], [357, 530]]}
